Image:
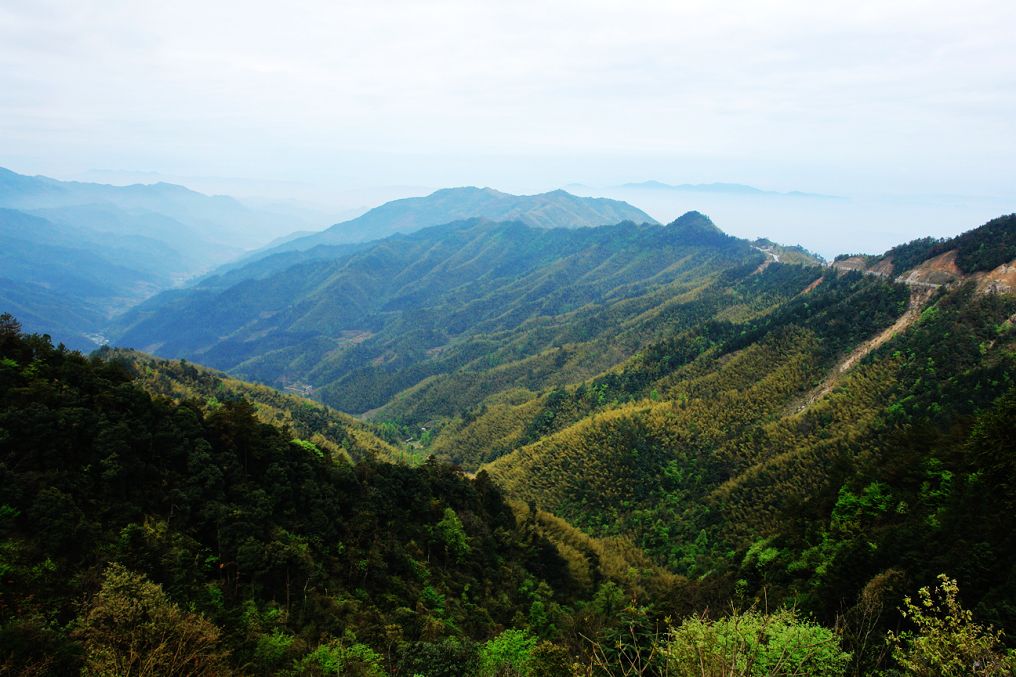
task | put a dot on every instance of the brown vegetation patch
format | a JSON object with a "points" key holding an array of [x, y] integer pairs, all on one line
{"points": [[935, 271], [1001, 280], [811, 287], [851, 263], [883, 267]]}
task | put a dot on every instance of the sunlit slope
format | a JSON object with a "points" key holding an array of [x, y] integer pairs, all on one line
{"points": [[696, 415], [805, 449], [658, 339], [726, 448]]}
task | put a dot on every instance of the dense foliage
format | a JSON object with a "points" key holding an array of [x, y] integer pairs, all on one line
{"points": [[235, 547], [654, 437], [467, 296], [980, 249], [282, 550]]}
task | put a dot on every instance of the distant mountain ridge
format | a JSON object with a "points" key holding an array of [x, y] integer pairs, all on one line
{"points": [[72, 254], [66, 280], [556, 209], [377, 318], [220, 219]]}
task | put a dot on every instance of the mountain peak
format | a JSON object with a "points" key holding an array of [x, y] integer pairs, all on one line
{"points": [[696, 228], [697, 221], [459, 191], [554, 209]]}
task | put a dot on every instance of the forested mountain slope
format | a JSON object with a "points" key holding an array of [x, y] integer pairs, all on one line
{"points": [[326, 429], [714, 450], [380, 319], [74, 254], [140, 535]]}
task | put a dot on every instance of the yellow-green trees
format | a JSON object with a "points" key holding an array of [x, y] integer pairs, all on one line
{"points": [[754, 643], [132, 628], [946, 641]]}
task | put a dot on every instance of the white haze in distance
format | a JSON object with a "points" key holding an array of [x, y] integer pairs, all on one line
{"points": [[845, 98]]}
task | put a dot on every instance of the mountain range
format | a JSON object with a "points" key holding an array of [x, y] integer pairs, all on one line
{"points": [[520, 442], [78, 253], [372, 321], [75, 254], [556, 209], [723, 408]]}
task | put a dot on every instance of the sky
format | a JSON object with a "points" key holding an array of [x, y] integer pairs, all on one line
{"points": [[314, 100]]}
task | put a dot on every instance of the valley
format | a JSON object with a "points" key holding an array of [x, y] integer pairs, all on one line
{"points": [[406, 454], [507, 339]]}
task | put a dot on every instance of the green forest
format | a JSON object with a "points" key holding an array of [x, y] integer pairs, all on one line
{"points": [[636, 450]]}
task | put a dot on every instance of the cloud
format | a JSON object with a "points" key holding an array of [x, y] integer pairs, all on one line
{"points": [[816, 96]]}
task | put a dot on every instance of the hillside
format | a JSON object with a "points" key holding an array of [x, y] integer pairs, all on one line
{"points": [[983, 253], [383, 318], [331, 431], [139, 531], [72, 320], [852, 431], [75, 254]]}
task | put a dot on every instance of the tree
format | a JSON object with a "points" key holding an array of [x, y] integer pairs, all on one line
{"points": [[9, 326], [10, 330], [947, 641], [133, 628], [453, 535], [510, 654]]}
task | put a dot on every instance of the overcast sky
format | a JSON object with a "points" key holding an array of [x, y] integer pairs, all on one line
{"points": [[831, 97]]}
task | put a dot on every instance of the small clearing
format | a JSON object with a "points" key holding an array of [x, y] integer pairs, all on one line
{"points": [[771, 257], [1001, 280], [934, 272]]}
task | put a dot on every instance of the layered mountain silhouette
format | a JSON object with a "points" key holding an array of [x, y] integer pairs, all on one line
{"points": [[396, 311], [76, 253], [552, 421], [556, 209]]}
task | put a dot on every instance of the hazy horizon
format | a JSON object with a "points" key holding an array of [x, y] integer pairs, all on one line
{"points": [[911, 107], [826, 225]]}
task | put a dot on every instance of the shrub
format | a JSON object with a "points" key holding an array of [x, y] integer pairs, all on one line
{"points": [[754, 643], [510, 654], [946, 640], [335, 658]]}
